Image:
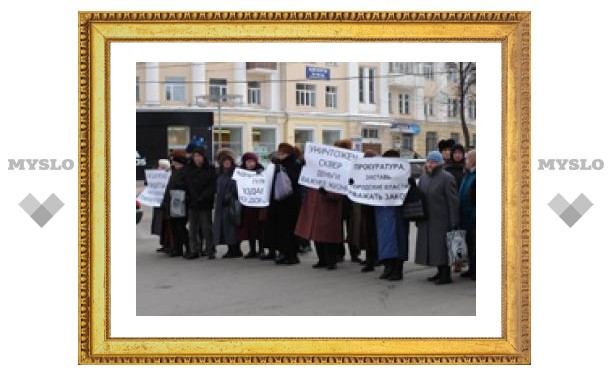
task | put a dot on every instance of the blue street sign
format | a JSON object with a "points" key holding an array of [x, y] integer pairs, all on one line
{"points": [[317, 73]]}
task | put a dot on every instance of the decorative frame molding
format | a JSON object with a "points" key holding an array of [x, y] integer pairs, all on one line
{"points": [[98, 29]]}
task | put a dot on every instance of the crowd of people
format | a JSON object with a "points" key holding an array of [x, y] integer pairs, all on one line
{"points": [[305, 218]]}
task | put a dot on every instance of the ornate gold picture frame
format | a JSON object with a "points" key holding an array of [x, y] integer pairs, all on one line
{"points": [[97, 30]]}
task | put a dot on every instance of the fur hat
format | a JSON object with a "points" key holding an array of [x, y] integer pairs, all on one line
{"points": [[285, 148], [391, 153], [445, 144], [225, 153], [344, 143], [179, 157], [249, 156], [458, 147], [369, 153]]}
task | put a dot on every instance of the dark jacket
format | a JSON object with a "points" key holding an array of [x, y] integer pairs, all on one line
{"points": [[467, 202], [224, 231], [177, 181], [457, 170], [201, 184]]}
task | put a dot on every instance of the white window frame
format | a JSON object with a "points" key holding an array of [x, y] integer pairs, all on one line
{"points": [[306, 96], [411, 147], [453, 108], [472, 108], [331, 97], [338, 129], [215, 85], [362, 84], [254, 92], [175, 88], [275, 128], [187, 137], [429, 106], [403, 103], [428, 70], [312, 131], [241, 127], [434, 144], [366, 133], [371, 85]]}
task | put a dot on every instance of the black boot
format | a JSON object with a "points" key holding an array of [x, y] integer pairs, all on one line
{"points": [[435, 276], [321, 254], [332, 256], [385, 274], [235, 251], [271, 255], [445, 275], [397, 270]]}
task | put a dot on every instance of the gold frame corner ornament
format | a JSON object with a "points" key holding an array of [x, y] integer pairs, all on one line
{"points": [[98, 29]]}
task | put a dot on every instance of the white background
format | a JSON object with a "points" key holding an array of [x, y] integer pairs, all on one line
{"points": [[570, 266]]}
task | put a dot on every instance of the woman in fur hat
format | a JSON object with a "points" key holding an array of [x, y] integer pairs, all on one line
{"points": [[178, 225], [250, 228], [224, 229]]}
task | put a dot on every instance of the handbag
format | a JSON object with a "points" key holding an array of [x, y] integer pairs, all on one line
{"points": [[234, 210], [282, 185], [177, 204], [414, 205], [456, 246]]}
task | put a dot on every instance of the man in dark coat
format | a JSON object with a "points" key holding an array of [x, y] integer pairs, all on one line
{"points": [[442, 204], [283, 214], [201, 184], [178, 225]]}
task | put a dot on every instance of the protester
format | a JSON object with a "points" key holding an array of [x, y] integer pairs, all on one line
{"points": [[201, 183], [392, 235], [347, 221], [178, 225], [320, 220], [467, 204], [363, 230], [160, 223], [282, 214], [224, 227], [250, 228], [444, 147], [456, 167], [303, 244], [442, 209]]}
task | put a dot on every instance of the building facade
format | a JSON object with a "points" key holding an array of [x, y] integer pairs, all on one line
{"points": [[408, 106]]}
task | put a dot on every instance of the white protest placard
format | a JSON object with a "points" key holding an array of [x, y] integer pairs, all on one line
{"points": [[379, 181], [153, 193], [327, 167], [254, 188]]}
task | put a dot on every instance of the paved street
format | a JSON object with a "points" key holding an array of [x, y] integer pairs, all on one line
{"points": [[175, 286]]}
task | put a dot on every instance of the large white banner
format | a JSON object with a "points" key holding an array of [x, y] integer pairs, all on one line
{"points": [[153, 193], [254, 188], [327, 167], [379, 181]]}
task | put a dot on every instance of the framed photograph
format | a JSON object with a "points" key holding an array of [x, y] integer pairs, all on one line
{"points": [[234, 87]]}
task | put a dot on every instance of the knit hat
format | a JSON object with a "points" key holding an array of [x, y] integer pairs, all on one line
{"points": [[249, 156], [344, 143], [435, 156]]}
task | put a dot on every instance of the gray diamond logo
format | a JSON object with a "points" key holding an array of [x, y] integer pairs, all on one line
{"points": [[41, 213], [570, 213]]}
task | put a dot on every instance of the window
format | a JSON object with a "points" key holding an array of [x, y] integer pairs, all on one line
{"points": [[431, 141], [371, 87], [369, 133], [302, 136], [472, 109], [455, 137], [254, 89], [474, 140], [429, 108], [361, 85], [137, 88], [217, 89], [228, 137], [408, 142], [178, 137], [404, 103], [331, 64], [175, 88], [390, 101], [428, 70], [264, 141], [331, 136], [305, 95], [453, 107], [331, 97]]}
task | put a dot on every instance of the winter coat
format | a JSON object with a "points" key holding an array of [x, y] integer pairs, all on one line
{"points": [[391, 232], [442, 201], [177, 181], [457, 170], [224, 230], [320, 217], [467, 202], [201, 183], [281, 216], [362, 225], [250, 216]]}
